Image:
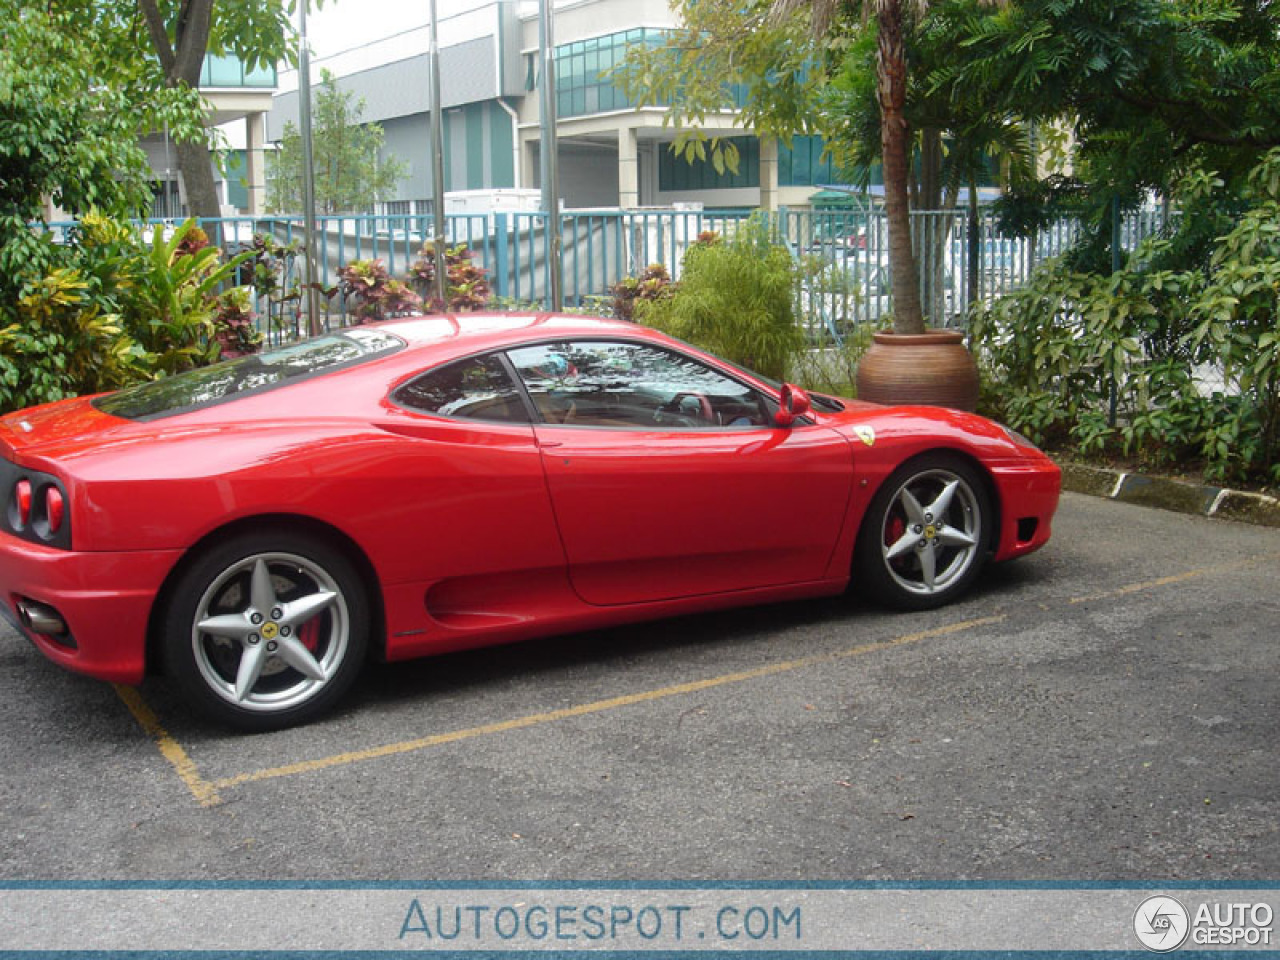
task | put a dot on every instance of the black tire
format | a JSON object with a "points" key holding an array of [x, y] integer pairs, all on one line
{"points": [[913, 559], [307, 644]]}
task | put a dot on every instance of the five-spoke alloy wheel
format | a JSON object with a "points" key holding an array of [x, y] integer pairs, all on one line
{"points": [[926, 535], [266, 630]]}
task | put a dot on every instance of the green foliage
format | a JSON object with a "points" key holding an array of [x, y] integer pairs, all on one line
{"points": [[466, 284], [726, 54], [234, 329], [271, 274], [734, 298], [112, 310], [62, 344], [1117, 365], [653, 284], [373, 293], [72, 110], [1151, 90], [349, 174], [174, 299]]}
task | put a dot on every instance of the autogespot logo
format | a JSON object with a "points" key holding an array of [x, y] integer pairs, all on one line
{"points": [[1161, 923]]}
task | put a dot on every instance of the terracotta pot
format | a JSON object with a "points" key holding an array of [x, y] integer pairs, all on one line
{"points": [[932, 368]]}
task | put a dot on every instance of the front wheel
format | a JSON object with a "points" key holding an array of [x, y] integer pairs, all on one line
{"points": [[266, 630], [924, 538]]}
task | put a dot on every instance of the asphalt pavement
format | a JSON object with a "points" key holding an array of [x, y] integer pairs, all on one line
{"points": [[1105, 709]]}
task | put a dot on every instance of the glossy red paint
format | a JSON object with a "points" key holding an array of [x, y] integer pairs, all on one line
{"points": [[793, 403], [473, 532]]}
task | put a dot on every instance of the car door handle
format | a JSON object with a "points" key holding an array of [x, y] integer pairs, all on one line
{"points": [[548, 444]]}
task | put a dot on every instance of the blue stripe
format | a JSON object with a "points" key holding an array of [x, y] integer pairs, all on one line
{"points": [[781, 885]]}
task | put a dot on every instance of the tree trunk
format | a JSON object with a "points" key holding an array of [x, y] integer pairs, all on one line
{"points": [[891, 83], [931, 186], [196, 166], [974, 241], [182, 58]]}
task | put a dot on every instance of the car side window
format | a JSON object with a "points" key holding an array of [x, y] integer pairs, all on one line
{"points": [[477, 388], [618, 384]]}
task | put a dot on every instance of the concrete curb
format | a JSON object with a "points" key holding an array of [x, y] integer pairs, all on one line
{"points": [[1203, 499]]}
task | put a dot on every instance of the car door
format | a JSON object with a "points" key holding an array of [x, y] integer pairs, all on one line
{"points": [[470, 500], [669, 479]]}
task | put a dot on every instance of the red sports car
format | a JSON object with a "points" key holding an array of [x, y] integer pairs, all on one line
{"points": [[258, 528]]}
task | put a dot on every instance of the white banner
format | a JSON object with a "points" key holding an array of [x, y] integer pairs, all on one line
{"points": [[642, 919]]}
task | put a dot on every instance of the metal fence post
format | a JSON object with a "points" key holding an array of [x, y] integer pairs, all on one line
{"points": [[501, 258]]}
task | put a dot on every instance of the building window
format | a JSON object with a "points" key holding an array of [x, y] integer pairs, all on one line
{"points": [[230, 72], [581, 87], [804, 164], [676, 173]]}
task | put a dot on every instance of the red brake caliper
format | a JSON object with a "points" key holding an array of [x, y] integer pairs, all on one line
{"points": [[309, 634], [894, 530]]}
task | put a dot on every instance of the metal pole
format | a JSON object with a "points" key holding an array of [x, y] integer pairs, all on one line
{"points": [[548, 149], [308, 177], [437, 170]]}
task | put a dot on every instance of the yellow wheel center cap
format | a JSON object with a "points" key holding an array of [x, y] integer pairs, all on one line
{"points": [[270, 630], [929, 533]]}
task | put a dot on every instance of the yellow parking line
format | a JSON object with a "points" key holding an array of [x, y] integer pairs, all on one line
{"points": [[1175, 578], [206, 793], [598, 706]]}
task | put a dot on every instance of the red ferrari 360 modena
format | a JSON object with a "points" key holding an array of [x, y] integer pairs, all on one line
{"points": [[260, 527]]}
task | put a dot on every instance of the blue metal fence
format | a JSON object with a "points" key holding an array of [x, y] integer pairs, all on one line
{"points": [[842, 256]]}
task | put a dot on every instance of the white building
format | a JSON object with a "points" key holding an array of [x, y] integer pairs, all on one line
{"points": [[610, 153], [241, 99]]}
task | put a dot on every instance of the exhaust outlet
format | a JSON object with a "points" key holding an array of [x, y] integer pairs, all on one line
{"points": [[41, 618]]}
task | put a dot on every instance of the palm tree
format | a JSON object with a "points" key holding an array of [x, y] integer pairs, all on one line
{"points": [[894, 18]]}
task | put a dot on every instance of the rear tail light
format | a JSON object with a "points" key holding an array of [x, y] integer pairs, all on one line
{"points": [[37, 509], [21, 504], [54, 509]]}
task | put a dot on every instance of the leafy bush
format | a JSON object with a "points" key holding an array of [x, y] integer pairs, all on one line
{"points": [[234, 329], [110, 309], [735, 299], [270, 267], [653, 284], [467, 285], [1164, 366], [173, 298], [62, 344], [376, 295]]}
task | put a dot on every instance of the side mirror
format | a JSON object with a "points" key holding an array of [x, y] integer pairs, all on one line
{"points": [[793, 404]]}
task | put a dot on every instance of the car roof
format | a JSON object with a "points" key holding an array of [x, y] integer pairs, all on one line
{"points": [[430, 341], [440, 338], [479, 331]]}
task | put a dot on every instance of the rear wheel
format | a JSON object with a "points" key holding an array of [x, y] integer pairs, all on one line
{"points": [[924, 538], [266, 630]]}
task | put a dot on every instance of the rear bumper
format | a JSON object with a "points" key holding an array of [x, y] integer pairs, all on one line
{"points": [[104, 598], [1028, 492]]}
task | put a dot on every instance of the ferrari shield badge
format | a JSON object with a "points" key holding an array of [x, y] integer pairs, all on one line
{"points": [[866, 434]]}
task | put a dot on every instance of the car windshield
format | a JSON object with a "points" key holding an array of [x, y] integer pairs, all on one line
{"points": [[245, 375]]}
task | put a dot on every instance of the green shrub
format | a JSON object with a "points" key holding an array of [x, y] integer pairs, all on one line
{"points": [[62, 344], [107, 309], [233, 324], [466, 284], [173, 299], [271, 274], [653, 284], [1109, 366], [373, 293], [734, 299]]}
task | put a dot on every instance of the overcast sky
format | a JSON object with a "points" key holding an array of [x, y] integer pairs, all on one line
{"points": [[346, 24]]}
